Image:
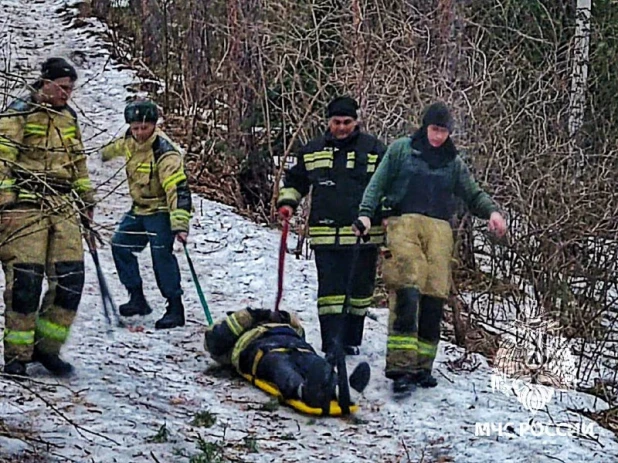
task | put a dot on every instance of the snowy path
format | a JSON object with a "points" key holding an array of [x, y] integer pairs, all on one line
{"points": [[129, 386]]}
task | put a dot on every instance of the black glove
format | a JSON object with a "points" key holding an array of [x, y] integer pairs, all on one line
{"points": [[361, 228]]}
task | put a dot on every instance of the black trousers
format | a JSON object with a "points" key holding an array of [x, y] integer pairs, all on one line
{"points": [[334, 265]]}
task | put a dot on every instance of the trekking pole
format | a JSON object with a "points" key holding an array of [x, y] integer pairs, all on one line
{"points": [[109, 307], [342, 368], [282, 252], [198, 287]]}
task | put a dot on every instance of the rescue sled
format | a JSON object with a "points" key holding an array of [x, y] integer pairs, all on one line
{"points": [[299, 405]]}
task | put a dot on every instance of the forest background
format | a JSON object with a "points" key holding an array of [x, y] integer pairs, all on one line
{"points": [[243, 83]]}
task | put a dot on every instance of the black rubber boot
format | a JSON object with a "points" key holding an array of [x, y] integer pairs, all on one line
{"points": [[353, 333], [319, 386], [406, 310], [53, 363], [174, 315], [404, 385], [137, 304], [15, 368], [351, 350], [425, 379], [359, 379]]}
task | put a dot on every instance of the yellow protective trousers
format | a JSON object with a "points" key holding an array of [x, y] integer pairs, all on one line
{"points": [[34, 243], [417, 273]]}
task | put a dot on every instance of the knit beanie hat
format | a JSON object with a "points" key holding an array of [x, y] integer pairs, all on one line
{"points": [[438, 114], [57, 68], [342, 106]]}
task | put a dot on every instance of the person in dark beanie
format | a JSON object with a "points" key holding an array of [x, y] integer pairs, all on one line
{"points": [[439, 115], [417, 183], [57, 68], [45, 195], [342, 106], [161, 210], [338, 166]]}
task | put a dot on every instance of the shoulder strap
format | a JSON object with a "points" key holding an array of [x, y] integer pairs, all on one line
{"points": [[160, 146]]}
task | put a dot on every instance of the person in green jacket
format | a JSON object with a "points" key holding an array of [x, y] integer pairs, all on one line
{"points": [[418, 183]]}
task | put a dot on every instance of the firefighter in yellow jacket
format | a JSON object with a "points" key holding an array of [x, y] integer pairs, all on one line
{"points": [[161, 210], [44, 192]]}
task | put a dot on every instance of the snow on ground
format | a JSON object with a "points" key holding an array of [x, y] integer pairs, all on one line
{"points": [[130, 385]]}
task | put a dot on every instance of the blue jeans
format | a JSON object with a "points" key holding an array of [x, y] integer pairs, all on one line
{"points": [[132, 235]]}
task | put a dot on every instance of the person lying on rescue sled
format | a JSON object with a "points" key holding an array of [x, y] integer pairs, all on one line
{"points": [[265, 346], [419, 179]]}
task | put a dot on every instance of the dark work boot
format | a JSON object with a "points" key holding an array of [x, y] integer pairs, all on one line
{"points": [[359, 379], [404, 385], [174, 315], [136, 305], [351, 350], [15, 368], [353, 333], [425, 379], [53, 363]]}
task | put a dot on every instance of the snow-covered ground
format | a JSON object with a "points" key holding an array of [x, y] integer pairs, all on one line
{"points": [[129, 386]]}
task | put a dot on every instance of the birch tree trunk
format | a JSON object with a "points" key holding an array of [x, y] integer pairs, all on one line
{"points": [[579, 74]]}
